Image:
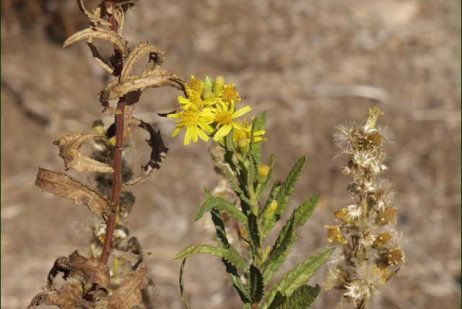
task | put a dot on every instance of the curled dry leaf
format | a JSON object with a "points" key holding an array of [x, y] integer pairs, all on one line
{"points": [[92, 33], [68, 296], [89, 270], [94, 17], [65, 186], [99, 59], [69, 149], [129, 294], [152, 79], [138, 52], [158, 151]]}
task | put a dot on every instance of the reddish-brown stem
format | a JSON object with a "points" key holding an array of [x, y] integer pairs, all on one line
{"points": [[116, 181]]}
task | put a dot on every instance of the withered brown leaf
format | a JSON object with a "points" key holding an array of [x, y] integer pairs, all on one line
{"points": [[129, 294], [89, 270], [69, 150], [92, 33], [152, 79], [135, 55], [158, 151], [65, 186], [68, 296]]}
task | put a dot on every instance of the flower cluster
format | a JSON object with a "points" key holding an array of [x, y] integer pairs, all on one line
{"points": [[209, 111], [371, 253]]}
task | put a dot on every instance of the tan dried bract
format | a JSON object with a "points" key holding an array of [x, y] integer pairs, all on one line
{"points": [[151, 79], [129, 293], [65, 186], [69, 150], [93, 33]]}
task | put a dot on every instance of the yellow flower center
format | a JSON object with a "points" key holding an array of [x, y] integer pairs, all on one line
{"points": [[224, 118], [190, 118]]}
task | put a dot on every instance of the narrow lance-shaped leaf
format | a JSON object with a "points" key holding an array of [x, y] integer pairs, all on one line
{"points": [[299, 275], [256, 286], [280, 250], [288, 185], [230, 268], [184, 298], [283, 194], [286, 238], [303, 212], [218, 203], [93, 33], [228, 254], [254, 232], [69, 149], [302, 298], [62, 185]]}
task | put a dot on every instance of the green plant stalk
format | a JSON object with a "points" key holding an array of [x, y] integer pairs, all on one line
{"points": [[116, 181]]}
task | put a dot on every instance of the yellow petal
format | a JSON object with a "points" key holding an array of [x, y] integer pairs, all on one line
{"points": [[222, 132], [241, 111]]}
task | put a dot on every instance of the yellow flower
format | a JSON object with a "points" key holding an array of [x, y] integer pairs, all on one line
{"points": [[196, 92], [224, 116], [243, 135], [230, 95], [197, 124]]}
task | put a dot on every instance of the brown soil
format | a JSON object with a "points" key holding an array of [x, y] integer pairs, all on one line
{"points": [[304, 62]]}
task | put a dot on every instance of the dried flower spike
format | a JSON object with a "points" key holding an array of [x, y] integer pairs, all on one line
{"points": [[369, 245]]}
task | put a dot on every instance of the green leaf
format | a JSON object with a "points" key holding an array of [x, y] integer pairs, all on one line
{"points": [[228, 254], [214, 202], [256, 287], [280, 250], [184, 299], [288, 186], [302, 298], [300, 274], [230, 268], [254, 232], [282, 196], [303, 212]]}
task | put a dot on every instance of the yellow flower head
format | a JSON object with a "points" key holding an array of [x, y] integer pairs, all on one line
{"points": [[230, 95], [197, 124], [243, 135], [224, 117]]}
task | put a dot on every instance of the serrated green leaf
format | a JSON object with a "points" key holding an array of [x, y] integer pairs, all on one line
{"points": [[303, 212], [254, 231], [256, 287], [280, 250], [300, 274], [288, 185], [215, 202], [302, 298], [282, 197], [230, 268], [229, 254]]}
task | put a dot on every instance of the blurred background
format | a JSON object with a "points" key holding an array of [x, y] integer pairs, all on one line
{"points": [[312, 65]]}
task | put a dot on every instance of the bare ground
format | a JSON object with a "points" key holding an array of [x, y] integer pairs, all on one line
{"points": [[312, 65]]}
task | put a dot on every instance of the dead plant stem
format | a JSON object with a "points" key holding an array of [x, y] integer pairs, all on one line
{"points": [[116, 181]]}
